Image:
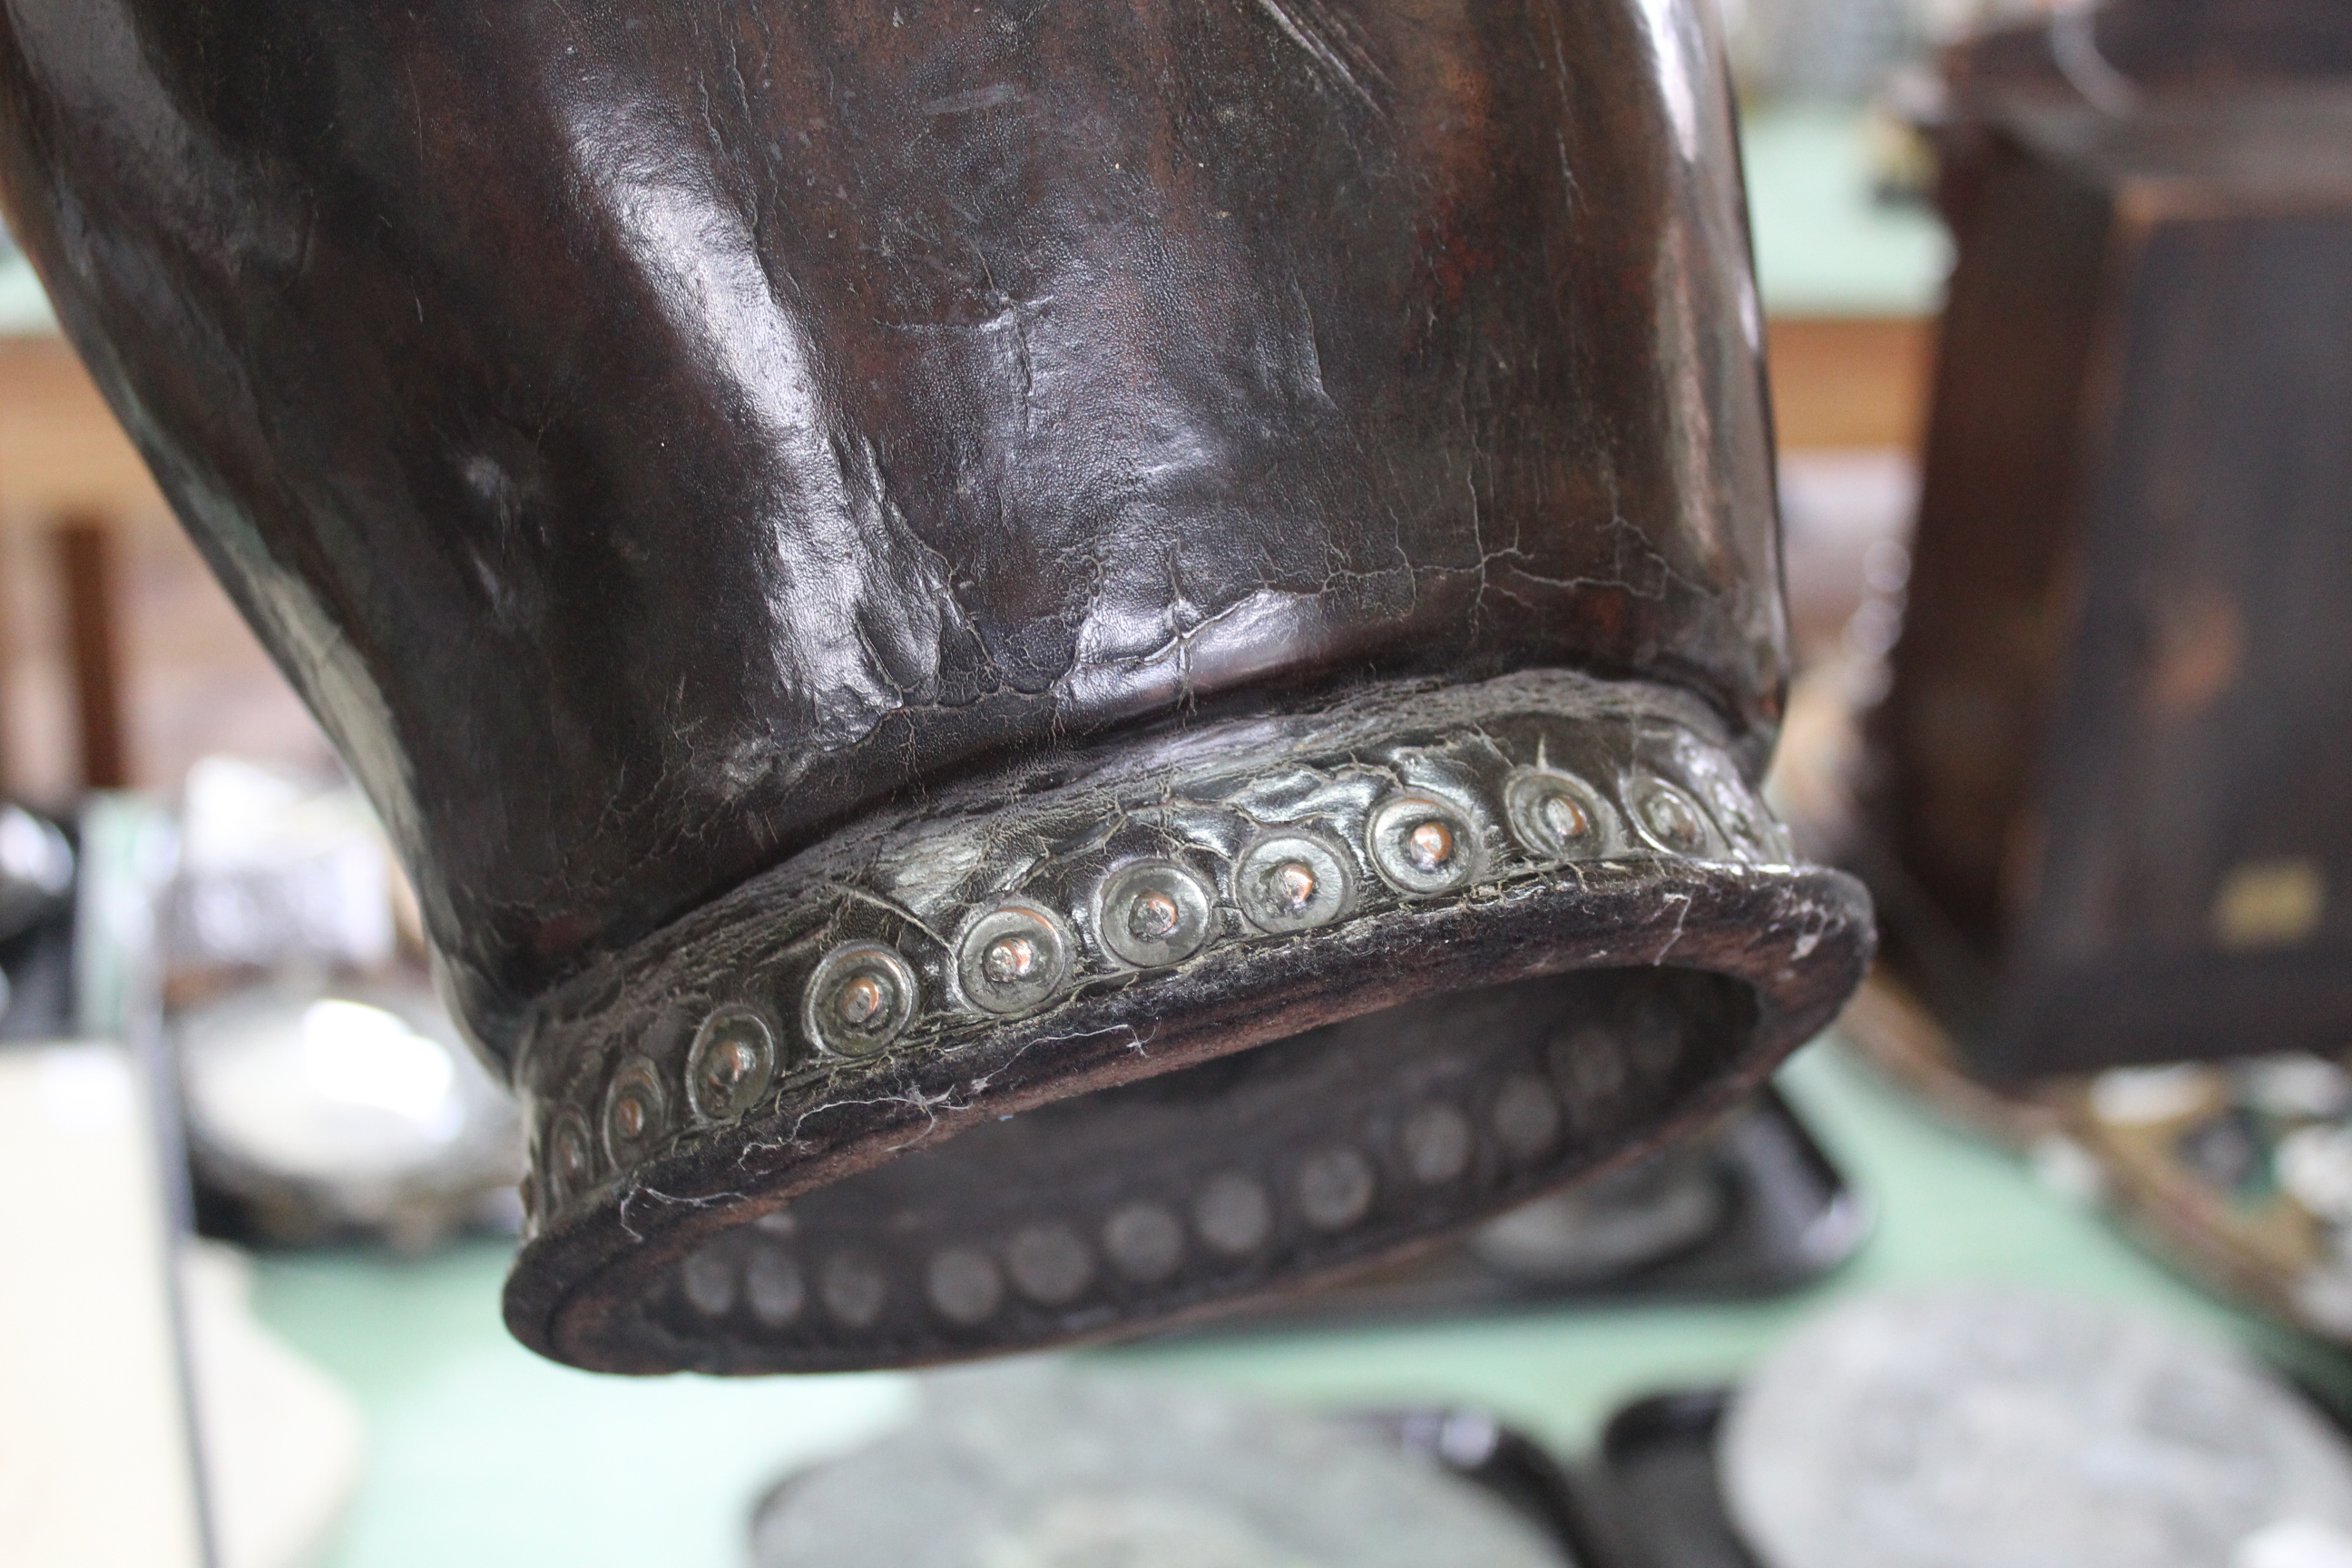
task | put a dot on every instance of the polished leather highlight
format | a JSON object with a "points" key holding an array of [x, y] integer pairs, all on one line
{"points": [[666, 444]]}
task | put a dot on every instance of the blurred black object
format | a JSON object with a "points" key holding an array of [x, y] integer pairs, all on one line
{"points": [[1507, 1463], [38, 966], [36, 911], [2115, 747], [1753, 1208], [1651, 1497], [2155, 45]]}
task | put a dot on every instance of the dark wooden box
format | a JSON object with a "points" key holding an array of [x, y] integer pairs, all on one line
{"points": [[2114, 810]]}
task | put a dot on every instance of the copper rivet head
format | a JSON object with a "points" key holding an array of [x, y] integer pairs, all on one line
{"points": [[1010, 958], [861, 997], [567, 1159], [1152, 917], [1293, 880], [858, 1000], [1670, 820], [1154, 911], [637, 1112], [1749, 825], [730, 1064], [1556, 816], [1422, 844], [1014, 959]]}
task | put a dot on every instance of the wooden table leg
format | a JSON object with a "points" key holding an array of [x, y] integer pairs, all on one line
{"points": [[86, 562]]}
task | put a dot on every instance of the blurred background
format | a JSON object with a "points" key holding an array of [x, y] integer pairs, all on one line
{"points": [[2043, 1256]]}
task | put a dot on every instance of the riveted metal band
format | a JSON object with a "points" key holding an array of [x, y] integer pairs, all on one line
{"points": [[958, 963]]}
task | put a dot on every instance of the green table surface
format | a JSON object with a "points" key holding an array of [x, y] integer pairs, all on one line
{"points": [[1825, 245], [483, 1454]]}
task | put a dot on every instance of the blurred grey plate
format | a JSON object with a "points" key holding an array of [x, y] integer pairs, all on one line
{"points": [[1991, 1427], [336, 1107], [1034, 1467]]}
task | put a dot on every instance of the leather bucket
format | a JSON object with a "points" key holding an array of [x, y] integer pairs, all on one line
{"points": [[1039, 664]]}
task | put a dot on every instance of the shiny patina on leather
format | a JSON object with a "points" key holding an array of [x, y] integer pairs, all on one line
{"points": [[662, 442]]}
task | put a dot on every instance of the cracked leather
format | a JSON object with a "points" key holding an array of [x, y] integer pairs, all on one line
{"points": [[680, 451]]}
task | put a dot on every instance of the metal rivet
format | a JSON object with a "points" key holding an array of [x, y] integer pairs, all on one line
{"points": [[1013, 959], [1749, 825], [1667, 817], [1421, 844], [771, 1280], [1437, 1141], [1525, 1117], [1558, 816], [1154, 912], [1653, 1038], [852, 1289], [708, 1277], [861, 997], [1291, 881], [1009, 960], [731, 1064], [1050, 1265], [1144, 1241], [963, 1284], [1590, 1066], [569, 1159], [1334, 1188], [637, 1112], [1233, 1215]]}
